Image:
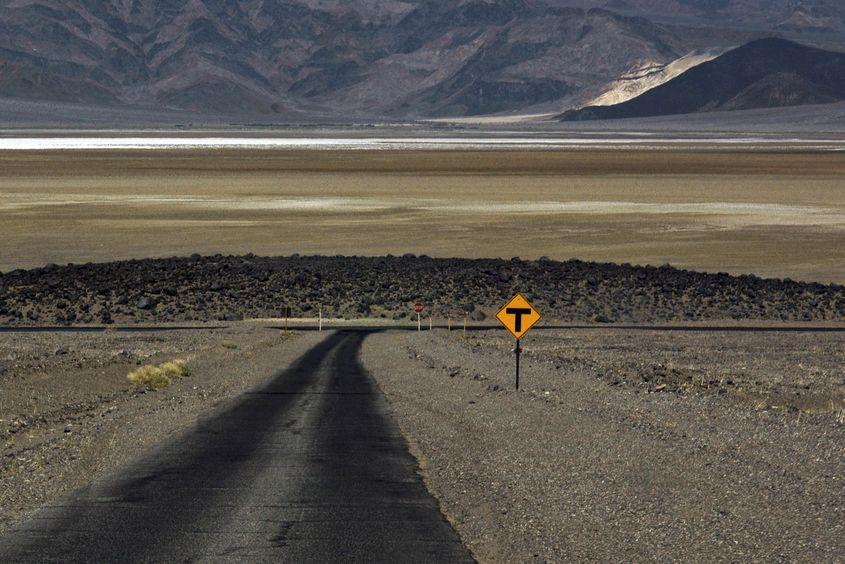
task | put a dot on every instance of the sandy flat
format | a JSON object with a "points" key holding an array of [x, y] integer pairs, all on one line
{"points": [[774, 213]]}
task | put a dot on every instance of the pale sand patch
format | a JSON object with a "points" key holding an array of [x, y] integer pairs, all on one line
{"points": [[726, 214], [17, 201]]}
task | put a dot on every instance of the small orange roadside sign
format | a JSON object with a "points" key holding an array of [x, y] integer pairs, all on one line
{"points": [[518, 316]]}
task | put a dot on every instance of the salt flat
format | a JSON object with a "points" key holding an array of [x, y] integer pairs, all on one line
{"points": [[641, 141]]}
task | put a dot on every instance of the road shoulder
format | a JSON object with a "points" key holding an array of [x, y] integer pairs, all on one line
{"points": [[579, 467], [69, 415]]}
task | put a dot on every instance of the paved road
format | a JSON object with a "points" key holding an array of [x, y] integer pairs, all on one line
{"points": [[296, 325], [309, 468]]}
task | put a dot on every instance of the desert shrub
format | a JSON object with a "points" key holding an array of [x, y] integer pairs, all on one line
{"points": [[150, 377], [229, 344], [154, 377], [175, 369]]}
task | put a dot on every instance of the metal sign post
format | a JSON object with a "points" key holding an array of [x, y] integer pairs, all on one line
{"points": [[418, 307], [518, 316]]}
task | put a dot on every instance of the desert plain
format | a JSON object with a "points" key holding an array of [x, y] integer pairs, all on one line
{"points": [[664, 413], [774, 213]]}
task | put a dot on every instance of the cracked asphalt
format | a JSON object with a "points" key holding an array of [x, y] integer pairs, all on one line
{"points": [[310, 467]]}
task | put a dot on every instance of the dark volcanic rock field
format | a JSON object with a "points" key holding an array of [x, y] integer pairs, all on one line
{"points": [[233, 287]]}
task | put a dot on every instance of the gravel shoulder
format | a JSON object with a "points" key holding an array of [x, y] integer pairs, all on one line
{"points": [[68, 414], [592, 461]]}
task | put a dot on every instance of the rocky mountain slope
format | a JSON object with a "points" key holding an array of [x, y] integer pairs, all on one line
{"points": [[301, 58], [650, 75], [804, 16], [762, 74]]}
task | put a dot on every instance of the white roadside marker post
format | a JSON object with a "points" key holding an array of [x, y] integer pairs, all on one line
{"points": [[320, 322], [429, 324]]}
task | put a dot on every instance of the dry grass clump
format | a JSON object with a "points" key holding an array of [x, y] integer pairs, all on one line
{"points": [[154, 377]]}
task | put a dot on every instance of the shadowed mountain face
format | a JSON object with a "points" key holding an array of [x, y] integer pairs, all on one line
{"points": [[299, 58], [762, 74], [813, 16]]}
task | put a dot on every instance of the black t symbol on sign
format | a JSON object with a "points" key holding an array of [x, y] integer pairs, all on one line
{"points": [[518, 312]]}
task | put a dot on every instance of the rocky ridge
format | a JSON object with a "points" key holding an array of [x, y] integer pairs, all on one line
{"points": [[234, 287]]}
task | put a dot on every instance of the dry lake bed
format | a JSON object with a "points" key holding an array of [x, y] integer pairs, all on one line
{"points": [[772, 210]]}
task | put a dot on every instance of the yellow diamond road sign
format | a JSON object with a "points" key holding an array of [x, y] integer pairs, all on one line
{"points": [[518, 316]]}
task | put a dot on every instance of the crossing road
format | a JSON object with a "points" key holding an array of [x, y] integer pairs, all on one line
{"points": [[308, 468]]}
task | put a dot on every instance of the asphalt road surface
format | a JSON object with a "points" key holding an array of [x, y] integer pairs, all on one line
{"points": [[309, 468]]}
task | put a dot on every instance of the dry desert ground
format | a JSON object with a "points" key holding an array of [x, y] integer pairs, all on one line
{"points": [[772, 213]]}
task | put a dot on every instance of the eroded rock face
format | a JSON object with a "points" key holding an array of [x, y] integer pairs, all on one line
{"points": [[232, 287]]}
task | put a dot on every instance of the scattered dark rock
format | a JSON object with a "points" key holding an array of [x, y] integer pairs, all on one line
{"points": [[179, 289]]}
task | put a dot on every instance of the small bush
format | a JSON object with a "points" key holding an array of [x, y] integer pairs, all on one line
{"points": [[229, 344], [156, 377], [175, 369], [150, 377]]}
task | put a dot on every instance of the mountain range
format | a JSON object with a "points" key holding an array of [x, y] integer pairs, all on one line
{"points": [[364, 59]]}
